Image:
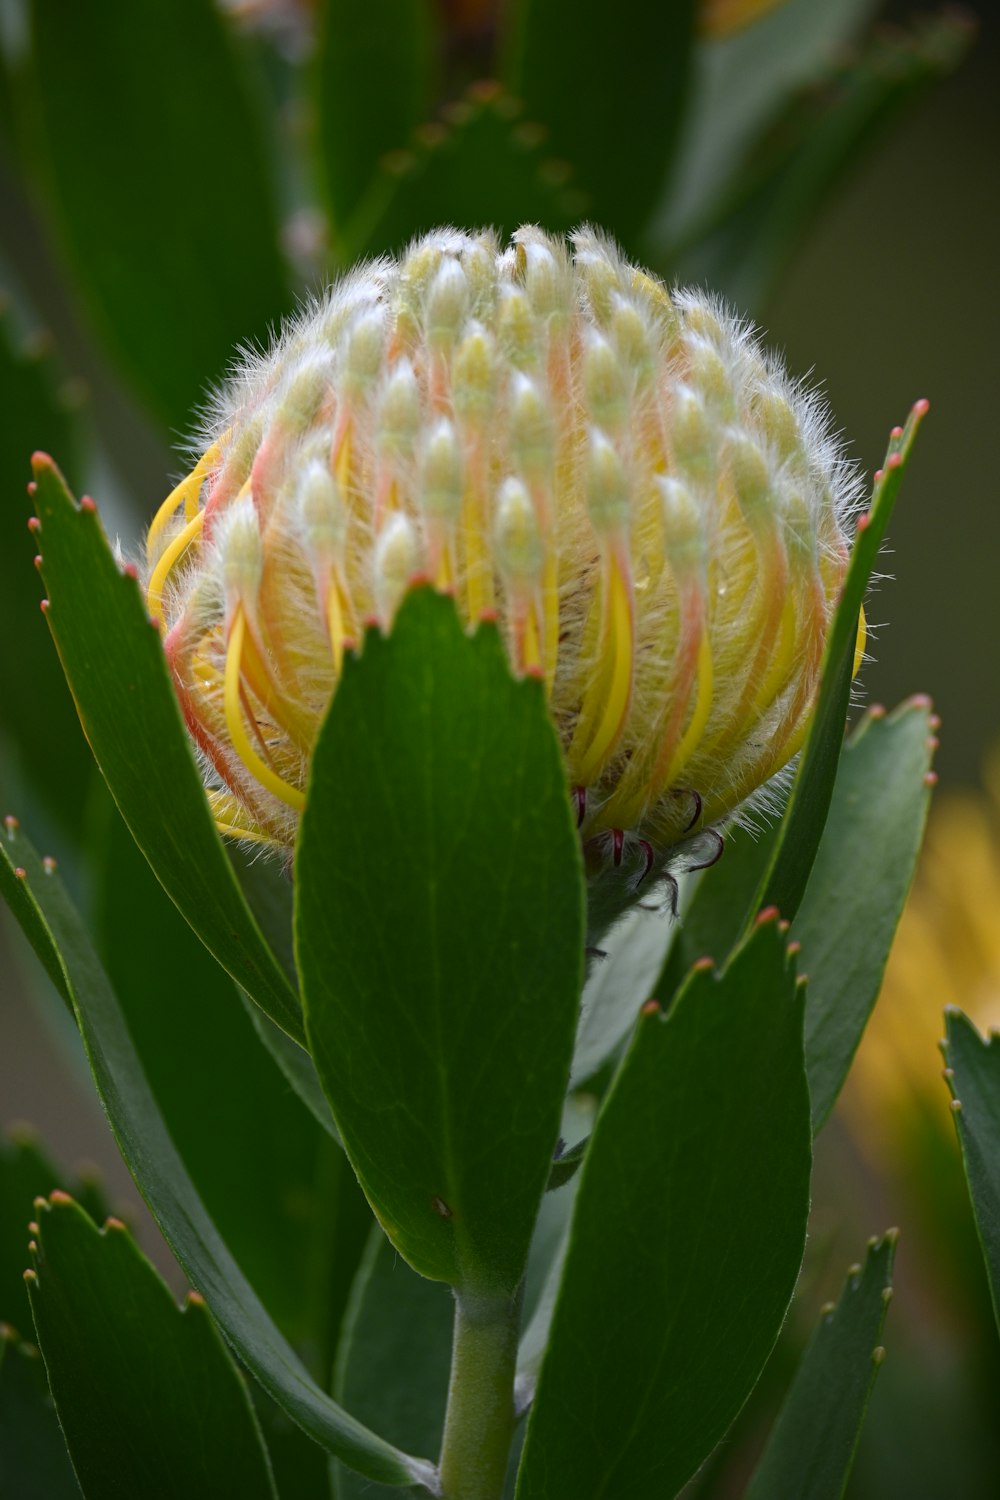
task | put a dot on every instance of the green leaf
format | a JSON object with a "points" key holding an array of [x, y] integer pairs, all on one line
{"points": [[166, 1186], [374, 84], [254, 1153], [686, 1240], [486, 164], [765, 208], [858, 886], [117, 671], [149, 1400], [741, 81], [38, 717], [439, 931], [973, 1076], [811, 1449], [618, 984], [395, 1357], [26, 1173], [33, 1457], [159, 180], [611, 90]]}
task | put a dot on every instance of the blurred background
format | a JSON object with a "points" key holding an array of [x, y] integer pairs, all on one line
{"points": [[175, 176]]}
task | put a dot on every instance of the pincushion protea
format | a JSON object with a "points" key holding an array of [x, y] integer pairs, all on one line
{"points": [[653, 512]]}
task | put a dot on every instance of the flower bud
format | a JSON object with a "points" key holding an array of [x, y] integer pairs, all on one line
{"points": [[656, 517]]}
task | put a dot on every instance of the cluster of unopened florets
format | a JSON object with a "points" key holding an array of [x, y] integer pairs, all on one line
{"points": [[654, 514]]}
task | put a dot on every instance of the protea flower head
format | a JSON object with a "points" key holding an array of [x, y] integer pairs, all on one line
{"points": [[655, 515]]}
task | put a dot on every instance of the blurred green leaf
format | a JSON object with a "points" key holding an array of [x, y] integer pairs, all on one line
{"points": [[159, 180], [611, 90], [484, 165], [811, 1448], [395, 1358], [374, 82], [859, 882], [686, 1239], [764, 209], [740, 83], [149, 1400], [160, 1174], [974, 1079], [38, 718], [439, 927], [33, 1453], [251, 1148], [116, 668]]}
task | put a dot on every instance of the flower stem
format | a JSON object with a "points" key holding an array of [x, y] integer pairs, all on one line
{"points": [[479, 1422]]}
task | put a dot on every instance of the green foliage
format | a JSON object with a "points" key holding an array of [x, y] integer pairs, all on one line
{"points": [[973, 1076], [374, 85], [394, 1358], [862, 872], [31, 1444], [611, 91], [114, 1340], [687, 1237], [440, 933], [153, 1159], [811, 1450], [152, 153], [439, 922]]}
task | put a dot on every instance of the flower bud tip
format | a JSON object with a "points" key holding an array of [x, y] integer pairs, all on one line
{"points": [[767, 914], [58, 1197], [11, 823], [34, 524], [921, 407], [116, 1226], [894, 460], [877, 711], [703, 965], [43, 605], [32, 488], [896, 434], [38, 561], [930, 778], [650, 1007], [49, 865]]}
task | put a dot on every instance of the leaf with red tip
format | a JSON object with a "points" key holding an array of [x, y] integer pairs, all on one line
{"points": [[858, 886], [116, 670], [810, 1452], [686, 1239], [149, 1399], [159, 1172]]}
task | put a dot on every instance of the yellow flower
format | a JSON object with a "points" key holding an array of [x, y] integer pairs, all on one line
{"points": [[654, 514]]}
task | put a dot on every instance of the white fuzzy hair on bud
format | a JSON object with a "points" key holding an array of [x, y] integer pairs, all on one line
{"points": [[655, 516]]}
